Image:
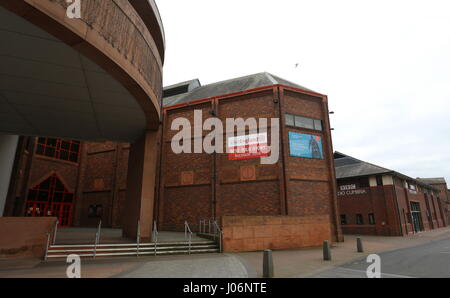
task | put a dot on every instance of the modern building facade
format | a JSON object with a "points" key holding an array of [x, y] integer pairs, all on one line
{"points": [[299, 184], [374, 200]]}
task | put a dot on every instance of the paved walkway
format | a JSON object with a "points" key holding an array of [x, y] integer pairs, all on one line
{"points": [[308, 262], [290, 263]]}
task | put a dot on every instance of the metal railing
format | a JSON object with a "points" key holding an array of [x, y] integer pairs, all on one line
{"points": [[155, 235], [211, 227], [55, 230], [47, 247], [218, 230], [49, 239], [206, 226], [138, 237], [97, 237], [188, 234]]}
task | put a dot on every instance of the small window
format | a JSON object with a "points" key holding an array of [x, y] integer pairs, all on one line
{"points": [[290, 120], [379, 180], [318, 125], [343, 219], [359, 219], [371, 219], [304, 122], [60, 149]]}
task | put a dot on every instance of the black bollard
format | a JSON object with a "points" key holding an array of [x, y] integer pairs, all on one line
{"points": [[326, 251], [359, 245], [267, 264]]}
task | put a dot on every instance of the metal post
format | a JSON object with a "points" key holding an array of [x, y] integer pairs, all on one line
{"points": [[359, 245], [326, 251], [190, 240], [267, 264], [97, 238], [55, 230], [155, 236], [95, 244], [138, 240], [99, 230], [46, 248]]}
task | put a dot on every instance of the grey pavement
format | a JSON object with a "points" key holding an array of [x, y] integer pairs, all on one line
{"points": [[423, 261], [198, 266]]}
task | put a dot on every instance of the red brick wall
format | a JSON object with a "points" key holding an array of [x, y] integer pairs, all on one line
{"points": [[255, 233], [391, 206], [199, 186], [24, 236]]}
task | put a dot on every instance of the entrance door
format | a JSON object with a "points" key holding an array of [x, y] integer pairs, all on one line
{"points": [[50, 198], [416, 217]]}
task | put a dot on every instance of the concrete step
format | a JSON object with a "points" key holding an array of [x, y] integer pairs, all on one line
{"points": [[206, 242], [111, 250], [158, 248], [141, 253]]}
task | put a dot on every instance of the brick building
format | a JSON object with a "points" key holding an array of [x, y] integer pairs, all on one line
{"points": [[374, 200], [90, 177], [194, 186], [444, 193]]}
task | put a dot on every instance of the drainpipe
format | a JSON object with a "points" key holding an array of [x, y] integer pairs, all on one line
{"points": [[398, 208]]}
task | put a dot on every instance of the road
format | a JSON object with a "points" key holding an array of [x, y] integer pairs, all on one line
{"points": [[426, 260]]}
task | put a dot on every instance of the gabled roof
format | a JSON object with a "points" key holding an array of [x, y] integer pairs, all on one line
{"points": [[347, 167], [433, 181], [227, 87]]}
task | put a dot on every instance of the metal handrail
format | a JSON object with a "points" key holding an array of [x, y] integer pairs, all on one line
{"points": [[219, 230], [187, 230], [55, 230], [97, 238], [138, 237], [47, 247], [155, 235]]}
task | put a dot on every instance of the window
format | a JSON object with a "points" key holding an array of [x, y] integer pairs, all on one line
{"points": [[304, 122], [95, 211], [359, 219], [50, 198], [59, 149], [371, 219], [343, 219], [379, 180], [290, 120]]}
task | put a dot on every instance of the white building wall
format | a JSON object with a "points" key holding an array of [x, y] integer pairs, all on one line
{"points": [[8, 147]]}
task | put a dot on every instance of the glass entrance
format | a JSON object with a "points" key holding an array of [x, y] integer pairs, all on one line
{"points": [[416, 217], [50, 198]]}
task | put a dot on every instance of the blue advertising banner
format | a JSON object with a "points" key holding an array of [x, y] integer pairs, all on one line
{"points": [[305, 145]]}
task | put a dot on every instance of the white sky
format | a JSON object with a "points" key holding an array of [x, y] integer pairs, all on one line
{"points": [[385, 66]]}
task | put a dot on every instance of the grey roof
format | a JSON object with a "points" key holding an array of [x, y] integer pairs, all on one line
{"points": [[191, 84], [227, 87], [351, 167], [347, 166], [431, 181]]}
